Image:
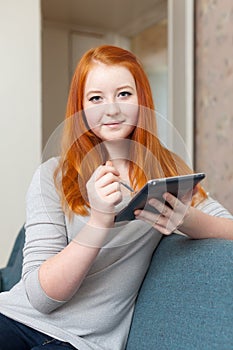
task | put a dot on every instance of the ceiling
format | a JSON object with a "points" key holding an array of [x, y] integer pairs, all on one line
{"points": [[124, 17]]}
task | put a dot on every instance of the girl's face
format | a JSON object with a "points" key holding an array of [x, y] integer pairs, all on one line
{"points": [[110, 101]]}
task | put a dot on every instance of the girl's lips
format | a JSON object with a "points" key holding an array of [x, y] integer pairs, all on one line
{"points": [[113, 125]]}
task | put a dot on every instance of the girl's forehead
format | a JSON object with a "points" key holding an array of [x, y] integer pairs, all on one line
{"points": [[102, 73], [99, 66]]}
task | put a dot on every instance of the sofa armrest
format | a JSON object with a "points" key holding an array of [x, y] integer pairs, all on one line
{"points": [[186, 299]]}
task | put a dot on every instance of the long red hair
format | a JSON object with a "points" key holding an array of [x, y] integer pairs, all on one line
{"points": [[82, 151]]}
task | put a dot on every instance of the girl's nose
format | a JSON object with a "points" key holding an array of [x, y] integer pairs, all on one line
{"points": [[112, 109]]}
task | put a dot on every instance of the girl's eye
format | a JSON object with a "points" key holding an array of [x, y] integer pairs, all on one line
{"points": [[125, 94], [95, 99]]}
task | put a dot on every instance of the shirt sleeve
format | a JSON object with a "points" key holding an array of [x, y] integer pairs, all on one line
{"points": [[213, 207], [45, 233]]}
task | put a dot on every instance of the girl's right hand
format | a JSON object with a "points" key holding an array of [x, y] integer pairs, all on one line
{"points": [[104, 192]]}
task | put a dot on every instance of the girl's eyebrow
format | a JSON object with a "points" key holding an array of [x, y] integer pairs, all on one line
{"points": [[90, 92], [125, 87]]}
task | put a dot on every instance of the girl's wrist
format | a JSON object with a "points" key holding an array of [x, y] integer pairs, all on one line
{"points": [[188, 222], [104, 221]]}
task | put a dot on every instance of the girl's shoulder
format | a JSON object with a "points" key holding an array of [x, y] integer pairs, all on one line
{"points": [[47, 168], [50, 164], [43, 177]]}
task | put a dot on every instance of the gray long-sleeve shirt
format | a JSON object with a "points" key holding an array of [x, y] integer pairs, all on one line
{"points": [[98, 316]]}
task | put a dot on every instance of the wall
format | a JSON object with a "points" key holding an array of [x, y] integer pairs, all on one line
{"points": [[55, 77], [214, 102], [20, 112]]}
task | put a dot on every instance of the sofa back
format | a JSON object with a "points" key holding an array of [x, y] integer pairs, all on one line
{"points": [[186, 299]]}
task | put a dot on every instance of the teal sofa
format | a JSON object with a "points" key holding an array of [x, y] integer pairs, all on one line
{"points": [[185, 301], [11, 274]]}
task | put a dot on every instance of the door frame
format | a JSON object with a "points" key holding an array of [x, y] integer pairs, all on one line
{"points": [[181, 73]]}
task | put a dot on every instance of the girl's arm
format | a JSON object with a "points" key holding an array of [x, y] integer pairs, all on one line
{"points": [[197, 224], [54, 270], [189, 220], [61, 275]]}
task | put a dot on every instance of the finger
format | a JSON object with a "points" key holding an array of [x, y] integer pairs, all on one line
{"points": [[108, 179], [160, 206], [110, 188], [171, 200], [105, 169], [187, 198], [158, 221], [165, 225], [115, 197], [146, 215], [179, 209], [178, 205]]}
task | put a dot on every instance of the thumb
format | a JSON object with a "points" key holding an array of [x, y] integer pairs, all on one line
{"points": [[108, 163]]}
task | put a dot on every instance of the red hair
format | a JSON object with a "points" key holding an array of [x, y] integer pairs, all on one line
{"points": [[82, 151]]}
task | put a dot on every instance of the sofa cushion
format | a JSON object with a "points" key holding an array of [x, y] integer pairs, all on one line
{"points": [[186, 300], [11, 274]]}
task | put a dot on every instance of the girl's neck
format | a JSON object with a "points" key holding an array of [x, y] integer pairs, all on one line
{"points": [[118, 149], [118, 153]]}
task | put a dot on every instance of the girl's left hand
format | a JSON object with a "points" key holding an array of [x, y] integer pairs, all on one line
{"points": [[168, 219]]}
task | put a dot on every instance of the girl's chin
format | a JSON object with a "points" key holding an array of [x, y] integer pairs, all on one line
{"points": [[113, 133], [113, 137]]}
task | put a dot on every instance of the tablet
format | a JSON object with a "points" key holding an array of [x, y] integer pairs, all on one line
{"points": [[176, 185]]}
